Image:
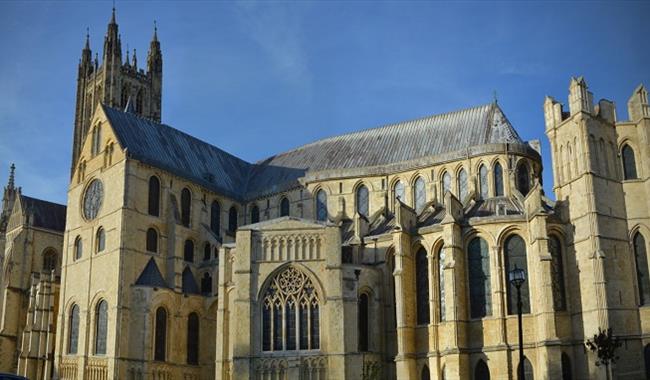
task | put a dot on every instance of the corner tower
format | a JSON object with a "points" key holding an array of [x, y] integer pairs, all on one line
{"points": [[114, 81]]}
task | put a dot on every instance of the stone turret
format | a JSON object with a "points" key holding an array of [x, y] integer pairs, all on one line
{"points": [[637, 105]]}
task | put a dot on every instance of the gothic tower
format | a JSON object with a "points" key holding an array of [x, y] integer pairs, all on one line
{"points": [[589, 188], [114, 81]]}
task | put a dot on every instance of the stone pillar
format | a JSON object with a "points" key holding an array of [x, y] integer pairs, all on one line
{"points": [[242, 304], [405, 304], [222, 358]]}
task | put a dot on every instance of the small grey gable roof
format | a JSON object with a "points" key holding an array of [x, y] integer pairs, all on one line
{"points": [[45, 214], [167, 148], [151, 276]]}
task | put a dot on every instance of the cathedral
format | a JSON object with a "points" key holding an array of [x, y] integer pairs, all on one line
{"points": [[379, 254]]}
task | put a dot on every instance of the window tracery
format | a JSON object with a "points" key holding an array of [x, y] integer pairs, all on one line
{"points": [[290, 313], [420, 194], [321, 205]]}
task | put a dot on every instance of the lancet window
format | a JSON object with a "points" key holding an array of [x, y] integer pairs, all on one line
{"points": [[290, 313]]}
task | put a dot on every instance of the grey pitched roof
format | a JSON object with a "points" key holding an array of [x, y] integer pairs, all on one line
{"points": [[151, 276], [46, 214], [165, 147]]}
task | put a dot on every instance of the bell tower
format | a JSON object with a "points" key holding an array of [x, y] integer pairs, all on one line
{"points": [[114, 81]]}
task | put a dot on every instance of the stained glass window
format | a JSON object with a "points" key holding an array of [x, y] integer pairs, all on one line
{"points": [[160, 344], [154, 196], [206, 284], [49, 260], [483, 181], [567, 373], [557, 268], [232, 219], [255, 214], [215, 217], [321, 205], [643, 277], [101, 239], [426, 375], [515, 256], [362, 200], [498, 180], [629, 163], [284, 207], [420, 194], [188, 251], [422, 286], [441, 283], [446, 183], [646, 358], [193, 339], [283, 328], [152, 240], [398, 192], [73, 337], [528, 370], [479, 278], [101, 327], [481, 371], [186, 204], [462, 184], [523, 179], [207, 251], [78, 248], [363, 322]]}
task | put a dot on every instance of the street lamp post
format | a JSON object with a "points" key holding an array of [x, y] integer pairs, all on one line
{"points": [[517, 277]]}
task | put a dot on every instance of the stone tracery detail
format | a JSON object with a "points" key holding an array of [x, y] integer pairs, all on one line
{"points": [[283, 327]]}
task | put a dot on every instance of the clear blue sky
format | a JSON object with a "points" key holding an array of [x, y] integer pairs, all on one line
{"points": [[260, 78]]}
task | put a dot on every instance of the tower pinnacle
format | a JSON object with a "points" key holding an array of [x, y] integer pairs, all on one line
{"points": [[12, 176]]}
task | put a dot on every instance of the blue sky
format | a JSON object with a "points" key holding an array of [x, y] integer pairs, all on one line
{"points": [[260, 78]]}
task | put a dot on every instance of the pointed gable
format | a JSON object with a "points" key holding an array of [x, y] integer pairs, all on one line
{"points": [[151, 276]]}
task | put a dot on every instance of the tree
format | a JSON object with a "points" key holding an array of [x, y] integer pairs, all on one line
{"points": [[604, 344]]}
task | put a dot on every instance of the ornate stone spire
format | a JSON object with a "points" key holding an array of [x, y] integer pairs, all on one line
{"points": [[12, 176]]}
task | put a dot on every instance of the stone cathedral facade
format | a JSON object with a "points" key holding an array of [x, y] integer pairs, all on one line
{"points": [[379, 254]]}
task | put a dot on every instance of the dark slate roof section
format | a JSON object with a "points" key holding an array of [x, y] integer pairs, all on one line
{"points": [[490, 207], [431, 215], [167, 148], [46, 214], [392, 143], [382, 224], [151, 276], [189, 282]]}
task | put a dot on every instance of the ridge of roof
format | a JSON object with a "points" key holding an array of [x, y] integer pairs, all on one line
{"points": [[48, 215]]}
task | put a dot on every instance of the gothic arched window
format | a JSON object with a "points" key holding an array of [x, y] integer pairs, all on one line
{"points": [[207, 251], [160, 336], [629, 163], [483, 182], [364, 324], [96, 140], [463, 189], [479, 278], [154, 196], [186, 204], [523, 179], [420, 195], [362, 200], [290, 313], [557, 268], [422, 286], [73, 333], [515, 256], [646, 359], [284, 207], [567, 373], [101, 240], [398, 192], [498, 180], [441, 282], [206, 284], [642, 274], [193, 339], [152, 240], [78, 248], [215, 217], [188, 251], [232, 219], [321, 205], [446, 183], [101, 327], [255, 214], [49, 260], [425, 375], [481, 371], [528, 369]]}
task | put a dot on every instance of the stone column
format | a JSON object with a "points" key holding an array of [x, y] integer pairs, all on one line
{"points": [[405, 302], [242, 327]]}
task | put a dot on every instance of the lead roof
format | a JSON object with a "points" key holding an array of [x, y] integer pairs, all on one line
{"points": [[167, 148]]}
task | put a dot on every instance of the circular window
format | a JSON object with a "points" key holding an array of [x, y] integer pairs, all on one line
{"points": [[92, 200]]}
